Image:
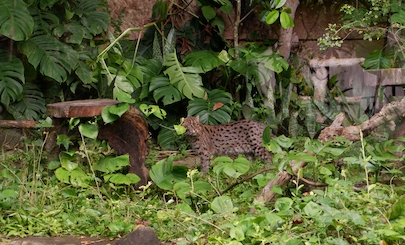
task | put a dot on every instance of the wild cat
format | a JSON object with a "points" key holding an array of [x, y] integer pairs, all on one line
{"points": [[240, 137]]}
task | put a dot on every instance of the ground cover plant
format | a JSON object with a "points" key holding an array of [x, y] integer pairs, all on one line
{"points": [[355, 207]]}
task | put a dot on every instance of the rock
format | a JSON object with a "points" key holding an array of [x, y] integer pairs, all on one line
{"points": [[141, 236]]}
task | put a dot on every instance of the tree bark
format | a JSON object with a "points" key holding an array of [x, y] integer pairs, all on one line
{"points": [[286, 35]]}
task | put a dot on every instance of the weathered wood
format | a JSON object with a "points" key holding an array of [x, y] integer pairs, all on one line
{"points": [[18, 124], [128, 134], [79, 108], [387, 116]]}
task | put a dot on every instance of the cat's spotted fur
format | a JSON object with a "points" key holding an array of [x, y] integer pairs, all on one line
{"points": [[241, 137]]}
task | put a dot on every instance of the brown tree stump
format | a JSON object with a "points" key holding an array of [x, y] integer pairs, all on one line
{"points": [[128, 134]]}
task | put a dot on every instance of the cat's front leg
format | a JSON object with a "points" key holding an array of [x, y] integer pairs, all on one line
{"points": [[205, 163]]}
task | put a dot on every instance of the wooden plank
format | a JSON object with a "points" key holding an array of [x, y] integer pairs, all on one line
{"points": [[18, 124], [79, 108]]}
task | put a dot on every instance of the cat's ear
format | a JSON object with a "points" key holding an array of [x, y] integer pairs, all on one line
{"points": [[198, 117]]}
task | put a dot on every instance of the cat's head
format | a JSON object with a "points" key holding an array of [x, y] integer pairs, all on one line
{"points": [[192, 125]]}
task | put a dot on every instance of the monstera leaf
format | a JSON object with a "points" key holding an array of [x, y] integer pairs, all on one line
{"points": [[11, 78], [54, 58], [186, 79], [162, 88], [94, 20], [212, 110], [31, 105], [206, 59], [15, 20], [377, 60]]}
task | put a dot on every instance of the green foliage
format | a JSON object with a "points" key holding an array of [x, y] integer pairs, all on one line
{"points": [[164, 174], [49, 46], [213, 109], [372, 20], [186, 79], [377, 60], [16, 22], [11, 78]]}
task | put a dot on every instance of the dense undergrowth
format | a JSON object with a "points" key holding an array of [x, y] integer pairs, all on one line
{"points": [[185, 208]]}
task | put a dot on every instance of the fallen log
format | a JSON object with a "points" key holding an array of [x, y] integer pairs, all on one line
{"points": [[387, 116]]}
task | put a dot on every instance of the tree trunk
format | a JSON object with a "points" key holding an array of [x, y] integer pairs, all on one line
{"points": [[286, 35]]}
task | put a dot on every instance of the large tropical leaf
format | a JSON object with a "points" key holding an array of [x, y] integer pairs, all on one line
{"points": [[54, 58], [377, 60], [31, 106], [15, 20], [163, 89], [94, 20], [206, 60], [212, 110], [186, 79], [74, 31], [11, 78]]}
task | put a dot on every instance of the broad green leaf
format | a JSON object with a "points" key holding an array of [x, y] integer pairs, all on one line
{"points": [[312, 209], [283, 204], [286, 20], [189, 84], [123, 97], [54, 58], [68, 160], [201, 187], [62, 175], [8, 193], [222, 205], [398, 18], [118, 178], [78, 177], [92, 16], [111, 164], [160, 10], [272, 17], [208, 12], [179, 129], [167, 139], [88, 130], [283, 141], [107, 116], [31, 105], [206, 60], [274, 220], [302, 156], [205, 107], [279, 3], [74, 32], [241, 165], [163, 89], [182, 189], [218, 22], [119, 109], [83, 72], [237, 233], [11, 78], [16, 21], [64, 140], [377, 60], [266, 137], [164, 174]]}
